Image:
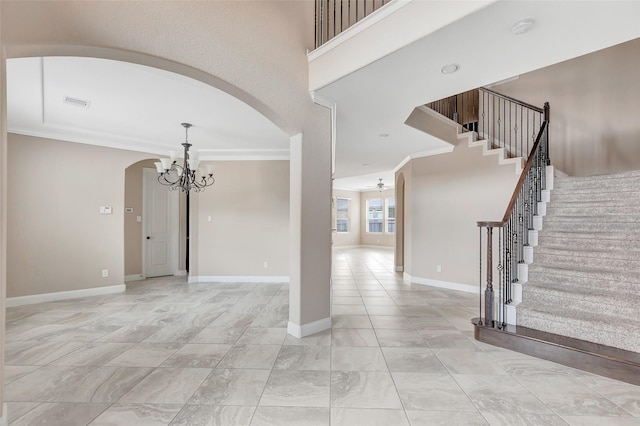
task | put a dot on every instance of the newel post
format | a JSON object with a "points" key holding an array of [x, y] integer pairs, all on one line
{"points": [[488, 293]]}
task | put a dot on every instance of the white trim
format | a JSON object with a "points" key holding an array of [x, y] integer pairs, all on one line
{"points": [[64, 295], [437, 151], [333, 107], [134, 277], [180, 273], [467, 288], [238, 279], [308, 329], [139, 145], [357, 28], [4, 420]]}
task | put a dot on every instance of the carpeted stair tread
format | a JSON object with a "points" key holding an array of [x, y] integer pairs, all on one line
{"points": [[598, 181], [558, 298], [597, 330], [591, 223], [588, 236], [600, 209], [617, 196], [585, 275], [602, 294], [587, 249], [605, 261]]}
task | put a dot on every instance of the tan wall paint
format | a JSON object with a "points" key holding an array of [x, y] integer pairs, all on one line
{"points": [[58, 240], [367, 239], [449, 193], [351, 238], [254, 50], [594, 109], [249, 209]]}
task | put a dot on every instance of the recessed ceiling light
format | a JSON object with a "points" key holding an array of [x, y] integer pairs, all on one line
{"points": [[522, 26], [383, 135], [450, 69]]}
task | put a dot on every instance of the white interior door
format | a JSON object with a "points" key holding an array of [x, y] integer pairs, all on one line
{"points": [[160, 207]]}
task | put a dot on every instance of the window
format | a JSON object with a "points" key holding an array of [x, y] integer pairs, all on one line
{"points": [[381, 215], [391, 215], [375, 216], [342, 215]]}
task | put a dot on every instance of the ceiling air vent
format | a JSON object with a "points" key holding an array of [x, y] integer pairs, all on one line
{"points": [[76, 102]]}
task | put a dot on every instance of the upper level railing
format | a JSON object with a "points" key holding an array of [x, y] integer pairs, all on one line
{"points": [[334, 16], [503, 121]]}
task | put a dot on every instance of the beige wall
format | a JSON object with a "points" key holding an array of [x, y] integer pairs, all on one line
{"points": [[351, 238], [445, 196], [58, 240], [254, 50], [383, 239], [594, 109], [249, 209]]}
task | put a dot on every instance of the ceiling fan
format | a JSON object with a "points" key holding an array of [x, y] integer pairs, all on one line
{"points": [[379, 186]]}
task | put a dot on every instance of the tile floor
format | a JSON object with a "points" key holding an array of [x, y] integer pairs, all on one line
{"points": [[166, 352]]}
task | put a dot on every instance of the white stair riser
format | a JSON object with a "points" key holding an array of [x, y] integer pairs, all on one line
{"points": [[523, 273]]}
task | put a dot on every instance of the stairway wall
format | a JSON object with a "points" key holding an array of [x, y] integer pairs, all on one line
{"points": [[446, 195], [594, 99], [585, 282]]}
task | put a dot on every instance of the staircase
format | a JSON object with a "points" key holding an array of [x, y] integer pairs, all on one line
{"points": [[584, 282]]}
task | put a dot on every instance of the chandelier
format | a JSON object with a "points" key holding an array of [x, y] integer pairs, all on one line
{"points": [[188, 176]]}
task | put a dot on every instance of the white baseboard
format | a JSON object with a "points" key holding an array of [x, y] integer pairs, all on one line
{"points": [[4, 420], [134, 277], [308, 329], [238, 279], [467, 288], [181, 273], [64, 295]]}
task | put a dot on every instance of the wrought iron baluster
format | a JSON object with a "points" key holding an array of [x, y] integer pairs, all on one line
{"points": [[480, 280]]}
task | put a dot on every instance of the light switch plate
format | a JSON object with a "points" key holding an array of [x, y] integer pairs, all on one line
{"points": [[105, 209]]}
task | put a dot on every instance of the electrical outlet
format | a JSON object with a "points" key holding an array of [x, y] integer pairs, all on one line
{"points": [[105, 273], [266, 265], [438, 268]]}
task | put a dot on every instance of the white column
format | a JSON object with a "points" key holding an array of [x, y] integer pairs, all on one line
{"points": [[3, 218]]}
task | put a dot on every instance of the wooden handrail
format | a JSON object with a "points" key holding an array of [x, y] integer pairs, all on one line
{"points": [[515, 101], [518, 188]]}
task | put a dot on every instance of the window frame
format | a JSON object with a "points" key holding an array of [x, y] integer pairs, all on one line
{"points": [[347, 219], [368, 219], [388, 216]]}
